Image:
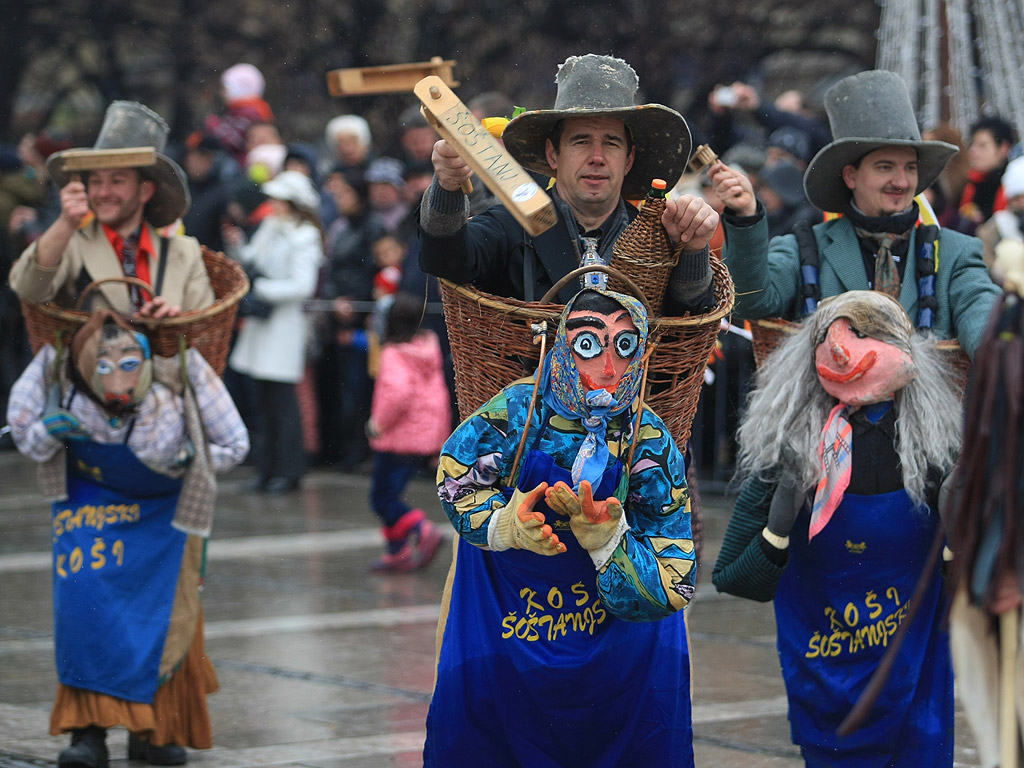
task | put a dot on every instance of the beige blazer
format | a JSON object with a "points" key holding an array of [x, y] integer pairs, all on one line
{"points": [[89, 256]]}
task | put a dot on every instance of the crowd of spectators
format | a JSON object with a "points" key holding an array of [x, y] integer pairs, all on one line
{"points": [[367, 195]]}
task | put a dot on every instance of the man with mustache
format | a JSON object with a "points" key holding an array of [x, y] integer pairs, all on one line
{"points": [[870, 175]]}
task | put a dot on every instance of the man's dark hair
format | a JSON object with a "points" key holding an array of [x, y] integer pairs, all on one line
{"points": [[1002, 131], [404, 317], [559, 128], [492, 104]]}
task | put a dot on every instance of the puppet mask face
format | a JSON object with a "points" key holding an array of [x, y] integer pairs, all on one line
{"points": [[123, 370], [857, 369], [602, 346]]}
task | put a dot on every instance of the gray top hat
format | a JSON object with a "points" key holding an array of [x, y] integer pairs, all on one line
{"points": [[130, 124], [868, 111], [602, 86]]}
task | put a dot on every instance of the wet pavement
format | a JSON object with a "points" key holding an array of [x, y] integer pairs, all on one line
{"points": [[325, 664]]}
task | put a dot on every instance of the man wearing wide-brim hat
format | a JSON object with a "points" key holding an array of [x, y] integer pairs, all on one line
{"points": [[603, 150], [108, 226], [870, 174]]}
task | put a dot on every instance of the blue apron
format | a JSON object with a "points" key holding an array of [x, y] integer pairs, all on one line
{"points": [[839, 601], [116, 563], [534, 671]]}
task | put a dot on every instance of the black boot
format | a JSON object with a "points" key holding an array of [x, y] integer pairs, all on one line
{"points": [[88, 749], [139, 748]]}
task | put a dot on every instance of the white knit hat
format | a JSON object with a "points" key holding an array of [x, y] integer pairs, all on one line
{"points": [[242, 81]]}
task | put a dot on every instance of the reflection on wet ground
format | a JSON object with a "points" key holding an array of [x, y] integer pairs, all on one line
{"points": [[324, 663]]}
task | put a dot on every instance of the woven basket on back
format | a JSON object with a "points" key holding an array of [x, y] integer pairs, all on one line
{"points": [[492, 346], [644, 254], [769, 332], [208, 329]]}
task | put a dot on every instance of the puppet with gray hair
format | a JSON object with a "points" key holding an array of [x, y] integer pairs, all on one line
{"points": [[851, 427]]}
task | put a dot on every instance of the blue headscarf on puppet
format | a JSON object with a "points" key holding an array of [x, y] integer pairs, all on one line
{"points": [[563, 389]]}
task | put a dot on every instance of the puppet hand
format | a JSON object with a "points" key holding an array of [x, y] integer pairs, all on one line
{"points": [[597, 525], [519, 526], [785, 506], [187, 452], [561, 498], [63, 426]]}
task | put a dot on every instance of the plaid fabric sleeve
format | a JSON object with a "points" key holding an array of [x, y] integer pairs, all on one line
{"points": [[25, 405], [228, 438]]}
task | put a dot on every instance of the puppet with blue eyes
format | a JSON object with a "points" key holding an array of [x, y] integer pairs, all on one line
{"points": [[127, 444], [115, 364], [563, 640]]}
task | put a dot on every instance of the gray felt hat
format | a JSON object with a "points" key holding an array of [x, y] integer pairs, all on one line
{"points": [[603, 86], [868, 111], [130, 124]]}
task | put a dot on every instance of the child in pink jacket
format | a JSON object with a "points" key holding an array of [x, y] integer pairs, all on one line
{"points": [[409, 421]]}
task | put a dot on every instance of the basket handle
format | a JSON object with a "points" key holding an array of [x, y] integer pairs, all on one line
{"points": [[96, 283], [610, 271]]}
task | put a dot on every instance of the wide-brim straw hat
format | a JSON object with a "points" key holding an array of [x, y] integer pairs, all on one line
{"points": [[129, 124], [603, 86], [869, 111]]}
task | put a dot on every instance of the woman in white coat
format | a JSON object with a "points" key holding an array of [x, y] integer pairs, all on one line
{"points": [[283, 260]]}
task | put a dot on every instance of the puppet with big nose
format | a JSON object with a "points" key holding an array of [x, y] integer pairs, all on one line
{"points": [[850, 428]]}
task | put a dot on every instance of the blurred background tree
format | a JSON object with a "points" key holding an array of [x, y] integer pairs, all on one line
{"points": [[63, 61]]}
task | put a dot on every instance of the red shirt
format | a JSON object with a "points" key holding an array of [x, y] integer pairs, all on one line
{"points": [[143, 256]]}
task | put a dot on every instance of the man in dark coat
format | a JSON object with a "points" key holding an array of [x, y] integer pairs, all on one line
{"points": [[603, 151]]}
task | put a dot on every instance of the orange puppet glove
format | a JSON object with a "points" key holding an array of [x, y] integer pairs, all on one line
{"points": [[518, 526], [597, 525]]}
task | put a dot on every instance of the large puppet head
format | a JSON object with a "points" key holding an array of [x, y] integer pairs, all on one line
{"points": [[112, 360], [858, 348], [595, 370], [598, 351], [862, 347]]}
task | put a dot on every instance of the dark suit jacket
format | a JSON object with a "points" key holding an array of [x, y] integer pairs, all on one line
{"points": [[767, 276], [494, 253]]}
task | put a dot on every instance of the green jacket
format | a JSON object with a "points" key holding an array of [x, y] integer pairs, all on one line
{"points": [[767, 276]]}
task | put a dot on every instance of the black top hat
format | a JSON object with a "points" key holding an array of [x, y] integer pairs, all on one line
{"points": [[130, 124], [869, 111], [602, 86]]}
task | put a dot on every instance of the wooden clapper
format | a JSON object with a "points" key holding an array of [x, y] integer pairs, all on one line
{"points": [[78, 160], [509, 181], [390, 78]]}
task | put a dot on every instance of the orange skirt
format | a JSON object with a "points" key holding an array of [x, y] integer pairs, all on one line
{"points": [[178, 714]]}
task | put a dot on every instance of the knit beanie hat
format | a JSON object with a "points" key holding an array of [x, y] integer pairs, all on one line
{"points": [[242, 81]]}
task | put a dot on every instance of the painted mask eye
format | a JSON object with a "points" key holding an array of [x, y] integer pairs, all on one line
{"points": [[130, 364], [587, 345], [626, 343], [104, 366]]}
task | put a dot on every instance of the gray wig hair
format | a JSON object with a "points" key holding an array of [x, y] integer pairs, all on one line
{"points": [[787, 409]]}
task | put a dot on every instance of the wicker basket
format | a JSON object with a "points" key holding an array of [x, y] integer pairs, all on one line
{"points": [[768, 333], [492, 346], [208, 329], [644, 254]]}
